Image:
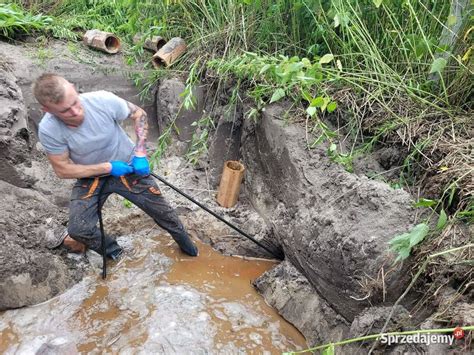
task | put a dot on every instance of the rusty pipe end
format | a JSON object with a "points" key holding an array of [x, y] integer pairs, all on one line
{"points": [[234, 165], [169, 53], [112, 44], [104, 41], [158, 42], [157, 62]]}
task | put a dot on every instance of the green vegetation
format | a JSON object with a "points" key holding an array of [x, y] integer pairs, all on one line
{"points": [[14, 21], [375, 73], [199, 140], [403, 243], [395, 73]]}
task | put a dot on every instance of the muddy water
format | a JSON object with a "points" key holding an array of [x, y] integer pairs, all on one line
{"points": [[155, 300]]}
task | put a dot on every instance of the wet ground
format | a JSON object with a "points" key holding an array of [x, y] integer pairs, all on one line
{"points": [[155, 300]]}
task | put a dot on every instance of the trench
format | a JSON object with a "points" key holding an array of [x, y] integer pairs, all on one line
{"points": [[333, 225], [155, 300]]}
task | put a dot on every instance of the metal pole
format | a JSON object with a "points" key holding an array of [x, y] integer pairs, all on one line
{"points": [[279, 256]]}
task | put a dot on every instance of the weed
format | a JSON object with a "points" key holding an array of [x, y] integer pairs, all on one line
{"points": [[163, 141], [342, 158], [199, 140], [189, 100], [73, 48], [14, 20], [126, 203], [402, 244]]}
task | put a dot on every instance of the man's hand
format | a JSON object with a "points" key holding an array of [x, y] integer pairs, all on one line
{"points": [[120, 168], [140, 165]]}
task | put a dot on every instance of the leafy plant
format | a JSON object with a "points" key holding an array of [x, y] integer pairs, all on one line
{"points": [[404, 243], [342, 158], [14, 20], [199, 140], [189, 100], [273, 78], [163, 142], [126, 203]]}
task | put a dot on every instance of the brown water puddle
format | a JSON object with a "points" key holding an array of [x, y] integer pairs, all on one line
{"points": [[156, 300], [230, 278]]}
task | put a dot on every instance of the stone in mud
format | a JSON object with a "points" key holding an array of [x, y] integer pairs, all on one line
{"points": [[334, 226], [287, 290], [30, 276]]}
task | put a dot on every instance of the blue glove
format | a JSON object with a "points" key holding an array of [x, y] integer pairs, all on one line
{"points": [[140, 165], [120, 168]]}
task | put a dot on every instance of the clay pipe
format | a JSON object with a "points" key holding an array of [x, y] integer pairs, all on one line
{"points": [[104, 41], [153, 44], [278, 254], [229, 187], [171, 51]]}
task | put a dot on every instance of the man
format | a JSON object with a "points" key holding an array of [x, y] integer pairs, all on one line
{"points": [[84, 140]]}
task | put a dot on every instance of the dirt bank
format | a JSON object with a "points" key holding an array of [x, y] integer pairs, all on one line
{"points": [[338, 279], [37, 201]]}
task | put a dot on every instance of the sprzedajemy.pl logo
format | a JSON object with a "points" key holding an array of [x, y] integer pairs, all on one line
{"points": [[422, 338]]}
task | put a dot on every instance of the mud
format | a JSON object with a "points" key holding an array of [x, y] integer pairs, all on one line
{"points": [[286, 289], [332, 225], [15, 145], [36, 208], [156, 299]]}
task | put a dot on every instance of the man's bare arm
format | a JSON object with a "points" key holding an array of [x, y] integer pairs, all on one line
{"points": [[66, 169], [139, 116]]}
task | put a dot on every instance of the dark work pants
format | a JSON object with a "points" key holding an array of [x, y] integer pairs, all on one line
{"points": [[140, 190]]}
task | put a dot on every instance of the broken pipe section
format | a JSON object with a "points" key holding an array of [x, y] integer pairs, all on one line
{"points": [[153, 44], [104, 41], [229, 187], [171, 51]]}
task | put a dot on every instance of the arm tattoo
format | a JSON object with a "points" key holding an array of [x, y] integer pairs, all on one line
{"points": [[132, 109], [141, 127]]}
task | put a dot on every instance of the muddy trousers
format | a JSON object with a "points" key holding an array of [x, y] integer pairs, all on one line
{"points": [[141, 191]]}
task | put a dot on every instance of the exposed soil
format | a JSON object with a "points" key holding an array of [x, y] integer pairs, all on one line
{"points": [[338, 279], [36, 201]]}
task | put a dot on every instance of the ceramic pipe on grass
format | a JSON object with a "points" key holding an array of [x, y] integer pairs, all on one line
{"points": [[104, 41]]}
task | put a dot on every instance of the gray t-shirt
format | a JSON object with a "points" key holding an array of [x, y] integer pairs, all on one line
{"points": [[98, 139]]}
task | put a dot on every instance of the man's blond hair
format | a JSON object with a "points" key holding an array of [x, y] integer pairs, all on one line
{"points": [[49, 88]]}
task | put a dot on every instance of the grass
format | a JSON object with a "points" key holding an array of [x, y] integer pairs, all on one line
{"points": [[16, 21], [390, 73]]}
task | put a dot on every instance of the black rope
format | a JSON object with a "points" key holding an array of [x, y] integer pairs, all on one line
{"points": [[279, 254]]}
